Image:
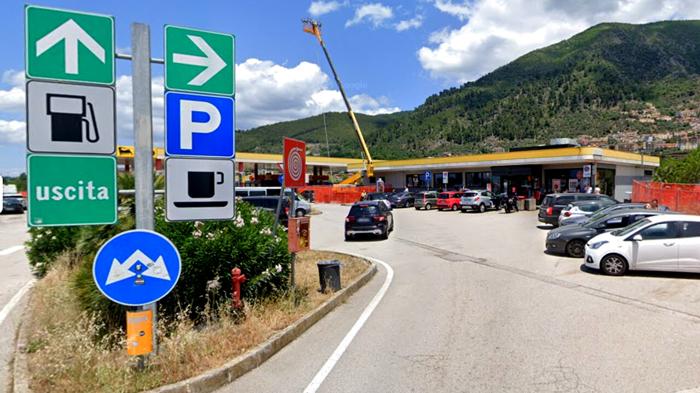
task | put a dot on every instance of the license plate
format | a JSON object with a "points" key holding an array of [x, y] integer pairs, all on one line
{"points": [[363, 220]]}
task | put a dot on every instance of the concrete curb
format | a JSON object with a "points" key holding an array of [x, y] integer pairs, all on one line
{"points": [[218, 377], [20, 372]]}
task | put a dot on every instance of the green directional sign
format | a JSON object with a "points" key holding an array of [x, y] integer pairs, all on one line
{"points": [[71, 190], [199, 61], [68, 45]]}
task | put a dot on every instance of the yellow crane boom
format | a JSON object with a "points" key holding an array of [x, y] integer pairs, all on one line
{"points": [[313, 27]]}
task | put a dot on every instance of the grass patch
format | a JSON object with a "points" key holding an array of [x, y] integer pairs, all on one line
{"points": [[67, 356]]}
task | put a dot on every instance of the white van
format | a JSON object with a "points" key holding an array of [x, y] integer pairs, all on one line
{"points": [[302, 206]]}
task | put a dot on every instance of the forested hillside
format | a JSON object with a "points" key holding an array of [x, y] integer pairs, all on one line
{"points": [[608, 85]]}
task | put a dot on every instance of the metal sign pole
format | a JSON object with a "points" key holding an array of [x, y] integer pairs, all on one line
{"points": [[143, 137]]}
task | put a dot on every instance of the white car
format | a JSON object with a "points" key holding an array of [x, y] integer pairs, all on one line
{"points": [[668, 242]]}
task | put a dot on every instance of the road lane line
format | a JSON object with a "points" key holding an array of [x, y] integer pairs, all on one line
{"points": [[338, 353], [15, 299], [11, 250]]}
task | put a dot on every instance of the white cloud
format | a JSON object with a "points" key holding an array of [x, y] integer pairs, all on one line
{"points": [[12, 131], [374, 13], [460, 10], [268, 93], [412, 23], [12, 99], [318, 8], [499, 31]]}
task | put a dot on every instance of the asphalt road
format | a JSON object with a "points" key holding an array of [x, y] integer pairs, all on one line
{"points": [[476, 306], [14, 276]]}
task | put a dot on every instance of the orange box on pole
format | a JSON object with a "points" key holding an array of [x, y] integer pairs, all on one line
{"points": [[139, 332]]}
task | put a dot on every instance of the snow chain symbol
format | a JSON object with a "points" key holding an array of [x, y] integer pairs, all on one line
{"points": [[295, 164]]}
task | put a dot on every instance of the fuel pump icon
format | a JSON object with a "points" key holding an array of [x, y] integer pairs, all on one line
{"points": [[69, 118]]}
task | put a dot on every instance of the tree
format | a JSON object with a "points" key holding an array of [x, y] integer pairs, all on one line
{"points": [[684, 170]]}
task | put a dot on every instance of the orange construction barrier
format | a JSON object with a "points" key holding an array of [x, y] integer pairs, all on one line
{"points": [[342, 194], [684, 198]]}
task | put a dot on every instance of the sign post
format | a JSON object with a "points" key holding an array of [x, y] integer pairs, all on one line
{"points": [[294, 158]]}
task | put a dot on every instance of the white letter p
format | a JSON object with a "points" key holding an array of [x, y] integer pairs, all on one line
{"points": [[189, 127]]}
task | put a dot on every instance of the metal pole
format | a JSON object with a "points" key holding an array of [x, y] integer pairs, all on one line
{"points": [[143, 137]]}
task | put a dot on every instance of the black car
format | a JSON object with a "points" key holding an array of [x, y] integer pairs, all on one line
{"points": [[571, 239], [11, 204], [402, 199], [602, 212], [369, 218], [269, 203], [552, 205]]}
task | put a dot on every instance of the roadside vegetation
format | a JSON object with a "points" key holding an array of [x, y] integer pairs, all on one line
{"points": [[76, 339], [683, 170]]}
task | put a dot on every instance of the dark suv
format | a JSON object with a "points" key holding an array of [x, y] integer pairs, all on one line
{"points": [[369, 217], [553, 204]]}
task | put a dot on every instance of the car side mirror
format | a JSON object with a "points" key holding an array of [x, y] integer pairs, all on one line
{"points": [[637, 238]]}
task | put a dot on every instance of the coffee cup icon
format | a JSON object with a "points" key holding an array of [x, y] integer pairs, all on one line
{"points": [[202, 185]]}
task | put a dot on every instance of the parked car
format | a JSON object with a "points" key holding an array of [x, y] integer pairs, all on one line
{"points": [[600, 213], [379, 196], [449, 200], [426, 200], [571, 239], [269, 203], [369, 217], [479, 200], [302, 206], [12, 204], [582, 208], [552, 205], [402, 199], [666, 242]]}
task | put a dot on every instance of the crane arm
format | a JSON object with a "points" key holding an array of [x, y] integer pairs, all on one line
{"points": [[313, 27]]}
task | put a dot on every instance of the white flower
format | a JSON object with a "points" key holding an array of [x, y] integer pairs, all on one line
{"points": [[213, 285], [278, 268], [198, 224], [210, 235], [266, 231], [238, 222], [197, 233], [53, 237], [39, 236], [254, 220]]}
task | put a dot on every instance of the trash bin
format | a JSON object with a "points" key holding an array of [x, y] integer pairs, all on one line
{"points": [[530, 204], [329, 275], [521, 204]]}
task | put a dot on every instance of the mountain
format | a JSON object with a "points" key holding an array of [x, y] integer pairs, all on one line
{"points": [[607, 86]]}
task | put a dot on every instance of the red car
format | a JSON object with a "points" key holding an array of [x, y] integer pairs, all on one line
{"points": [[449, 200]]}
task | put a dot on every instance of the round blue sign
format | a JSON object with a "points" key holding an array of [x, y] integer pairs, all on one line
{"points": [[281, 179], [136, 267]]}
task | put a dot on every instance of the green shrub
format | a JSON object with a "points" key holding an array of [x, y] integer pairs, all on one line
{"points": [[209, 251], [47, 243]]}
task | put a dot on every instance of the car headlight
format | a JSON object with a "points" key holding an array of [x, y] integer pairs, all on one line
{"points": [[597, 245], [555, 235]]}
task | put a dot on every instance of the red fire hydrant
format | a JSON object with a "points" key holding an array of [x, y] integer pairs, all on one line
{"points": [[237, 279]]}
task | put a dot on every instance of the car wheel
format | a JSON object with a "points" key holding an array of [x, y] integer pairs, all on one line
{"points": [[482, 208], [348, 237], [454, 208], [464, 210], [300, 213], [575, 248], [427, 206], [613, 265], [417, 207], [385, 235]]}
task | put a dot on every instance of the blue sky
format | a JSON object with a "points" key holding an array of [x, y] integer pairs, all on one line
{"points": [[391, 55]]}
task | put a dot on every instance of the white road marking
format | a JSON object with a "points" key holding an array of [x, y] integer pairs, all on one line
{"points": [[338, 353], [15, 299], [11, 250]]}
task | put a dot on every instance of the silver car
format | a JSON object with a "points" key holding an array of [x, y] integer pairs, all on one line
{"points": [[478, 200]]}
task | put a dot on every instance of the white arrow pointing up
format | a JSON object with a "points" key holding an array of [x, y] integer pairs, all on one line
{"points": [[71, 33], [211, 60]]}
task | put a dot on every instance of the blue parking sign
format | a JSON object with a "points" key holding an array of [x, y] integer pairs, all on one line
{"points": [[199, 125], [136, 267]]}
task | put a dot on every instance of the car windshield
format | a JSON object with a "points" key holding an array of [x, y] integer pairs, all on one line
{"points": [[443, 195], [629, 229], [547, 200], [470, 194], [363, 210]]}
